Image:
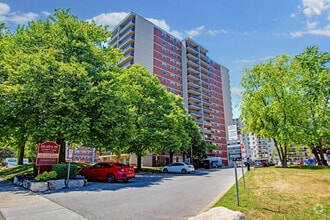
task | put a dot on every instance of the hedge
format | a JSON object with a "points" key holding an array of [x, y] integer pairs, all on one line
{"points": [[62, 170]]}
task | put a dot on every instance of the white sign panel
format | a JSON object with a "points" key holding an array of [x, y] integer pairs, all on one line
{"points": [[232, 132], [13, 161]]}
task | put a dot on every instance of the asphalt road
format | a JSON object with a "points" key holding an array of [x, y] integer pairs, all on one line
{"points": [[148, 196]]}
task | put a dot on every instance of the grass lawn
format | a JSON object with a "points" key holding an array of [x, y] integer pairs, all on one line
{"points": [[282, 193]]}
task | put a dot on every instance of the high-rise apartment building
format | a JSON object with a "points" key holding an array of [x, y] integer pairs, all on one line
{"points": [[184, 68]]}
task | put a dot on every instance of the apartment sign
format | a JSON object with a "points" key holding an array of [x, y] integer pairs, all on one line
{"points": [[48, 153], [232, 132]]}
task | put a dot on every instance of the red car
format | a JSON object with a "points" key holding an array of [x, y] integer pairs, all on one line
{"points": [[108, 171]]}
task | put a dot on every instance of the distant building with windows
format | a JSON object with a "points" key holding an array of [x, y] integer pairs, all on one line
{"points": [[255, 147], [184, 68]]}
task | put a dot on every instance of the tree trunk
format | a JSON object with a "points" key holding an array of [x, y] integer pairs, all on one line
{"points": [[61, 142], [184, 158], [171, 156], [139, 160], [323, 160], [21, 150], [315, 151], [281, 154]]}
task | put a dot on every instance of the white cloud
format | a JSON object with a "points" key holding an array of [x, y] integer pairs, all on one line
{"points": [[15, 17], [315, 7], [215, 32], [162, 24], [317, 13], [321, 31], [246, 33], [254, 60], [46, 13], [195, 31], [109, 19], [292, 15], [236, 91], [311, 25], [4, 9]]}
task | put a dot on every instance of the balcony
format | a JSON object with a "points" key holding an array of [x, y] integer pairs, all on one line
{"points": [[192, 63], [129, 55], [193, 76], [194, 83], [207, 101], [126, 41], [191, 48], [127, 25], [193, 97], [126, 64], [197, 113], [192, 56], [207, 109], [208, 116], [206, 131], [206, 95], [206, 62], [128, 48], [193, 105], [194, 91], [206, 80], [124, 34]]}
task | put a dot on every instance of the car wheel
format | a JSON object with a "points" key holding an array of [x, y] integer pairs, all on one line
{"points": [[165, 170], [110, 178], [183, 171]]}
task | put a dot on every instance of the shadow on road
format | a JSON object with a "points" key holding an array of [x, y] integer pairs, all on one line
{"points": [[141, 180]]}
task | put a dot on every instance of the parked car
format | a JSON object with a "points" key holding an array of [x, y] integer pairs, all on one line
{"points": [[178, 167], [260, 163], [108, 171]]}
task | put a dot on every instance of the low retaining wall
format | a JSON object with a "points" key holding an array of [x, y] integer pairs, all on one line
{"points": [[49, 185]]}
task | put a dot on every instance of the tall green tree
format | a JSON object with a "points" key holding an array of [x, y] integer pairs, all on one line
{"points": [[313, 70], [271, 105], [176, 136], [197, 144], [157, 114], [287, 99], [57, 83]]}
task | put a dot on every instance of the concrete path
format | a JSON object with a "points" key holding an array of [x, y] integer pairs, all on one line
{"points": [[19, 204]]}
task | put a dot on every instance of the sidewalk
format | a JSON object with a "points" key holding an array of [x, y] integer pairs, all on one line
{"points": [[17, 203]]}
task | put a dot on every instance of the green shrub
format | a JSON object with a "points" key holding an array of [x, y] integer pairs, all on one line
{"points": [[62, 170], [45, 176]]}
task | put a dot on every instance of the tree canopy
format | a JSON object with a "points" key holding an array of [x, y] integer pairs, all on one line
{"points": [[59, 81], [284, 95], [158, 116]]}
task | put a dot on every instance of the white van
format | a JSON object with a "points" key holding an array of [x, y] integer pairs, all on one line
{"points": [[216, 161]]}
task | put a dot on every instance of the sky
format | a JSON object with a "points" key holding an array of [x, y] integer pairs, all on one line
{"points": [[237, 33]]}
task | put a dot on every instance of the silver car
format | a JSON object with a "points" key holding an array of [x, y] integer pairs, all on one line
{"points": [[178, 167]]}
